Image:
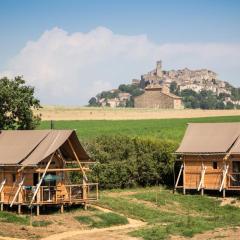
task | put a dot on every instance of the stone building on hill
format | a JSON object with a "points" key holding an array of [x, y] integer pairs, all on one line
{"points": [[153, 77], [158, 96], [197, 80]]}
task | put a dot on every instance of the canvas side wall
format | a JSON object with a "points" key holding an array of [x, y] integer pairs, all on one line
{"points": [[213, 174]]}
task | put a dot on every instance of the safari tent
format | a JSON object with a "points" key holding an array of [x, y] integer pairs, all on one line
{"points": [[210, 157], [35, 168]]}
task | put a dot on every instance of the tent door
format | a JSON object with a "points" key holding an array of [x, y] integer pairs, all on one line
{"points": [[235, 176]]}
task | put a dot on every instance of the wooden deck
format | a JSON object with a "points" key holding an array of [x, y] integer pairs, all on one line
{"points": [[60, 194]]}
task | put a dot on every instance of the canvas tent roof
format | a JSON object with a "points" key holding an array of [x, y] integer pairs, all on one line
{"points": [[211, 138], [29, 147]]}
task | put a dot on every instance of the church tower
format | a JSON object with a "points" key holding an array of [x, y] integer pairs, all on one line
{"points": [[159, 68]]}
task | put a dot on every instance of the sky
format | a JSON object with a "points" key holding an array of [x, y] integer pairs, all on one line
{"points": [[72, 49]]}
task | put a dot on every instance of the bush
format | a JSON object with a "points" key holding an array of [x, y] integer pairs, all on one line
{"points": [[123, 161]]}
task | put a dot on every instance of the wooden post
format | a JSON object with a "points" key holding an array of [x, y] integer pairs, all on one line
{"points": [[1, 200], [84, 193], [2, 194], [224, 179], [97, 191], [184, 190], [37, 210], [202, 190], [62, 209], [19, 208], [224, 193], [20, 200]]}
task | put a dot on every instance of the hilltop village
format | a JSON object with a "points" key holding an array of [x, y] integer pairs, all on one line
{"points": [[174, 89], [196, 80]]}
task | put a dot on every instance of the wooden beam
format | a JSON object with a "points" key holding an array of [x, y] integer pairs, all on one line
{"points": [[225, 171], [76, 156], [62, 170], [2, 185], [72, 162], [179, 174], [21, 169], [17, 192], [40, 182], [202, 177]]}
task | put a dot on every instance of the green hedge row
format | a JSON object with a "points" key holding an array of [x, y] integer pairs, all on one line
{"points": [[123, 161]]}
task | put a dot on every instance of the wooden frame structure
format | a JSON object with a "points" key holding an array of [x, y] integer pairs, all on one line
{"points": [[210, 161], [196, 177], [56, 155]]}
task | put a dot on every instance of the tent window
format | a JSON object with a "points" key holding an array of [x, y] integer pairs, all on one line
{"points": [[215, 165]]}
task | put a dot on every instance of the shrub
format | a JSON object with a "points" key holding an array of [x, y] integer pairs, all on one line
{"points": [[123, 161]]}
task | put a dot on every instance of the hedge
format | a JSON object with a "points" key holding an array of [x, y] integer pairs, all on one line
{"points": [[123, 161]]}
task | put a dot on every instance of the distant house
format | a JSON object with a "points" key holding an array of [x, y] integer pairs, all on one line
{"points": [[135, 81], [113, 102], [210, 157], [158, 96], [124, 96]]}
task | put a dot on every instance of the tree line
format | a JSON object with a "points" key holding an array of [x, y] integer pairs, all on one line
{"points": [[206, 99], [124, 162]]}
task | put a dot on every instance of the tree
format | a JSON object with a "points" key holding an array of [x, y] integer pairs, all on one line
{"points": [[93, 102], [130, 103], [229, 105], [173, 87], [220, 105], [17, 102]]}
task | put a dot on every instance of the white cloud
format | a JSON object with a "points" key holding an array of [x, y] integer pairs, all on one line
{"points": [[70, 68]]}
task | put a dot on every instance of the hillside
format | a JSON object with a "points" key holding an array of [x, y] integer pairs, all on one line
{"points": [[199, 88]]}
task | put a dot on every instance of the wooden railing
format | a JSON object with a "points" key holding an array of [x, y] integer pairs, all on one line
{"points": [[76, 193]]}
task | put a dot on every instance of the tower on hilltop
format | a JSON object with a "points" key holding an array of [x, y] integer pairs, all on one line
{"points": [[159, 68]]}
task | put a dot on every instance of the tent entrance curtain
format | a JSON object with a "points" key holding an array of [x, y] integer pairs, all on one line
{"points": [[235, 176]]}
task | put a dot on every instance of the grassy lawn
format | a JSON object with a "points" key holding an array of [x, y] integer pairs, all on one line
{"points": [[163, 128], [13, 218], [9, 217], [171, 214]]}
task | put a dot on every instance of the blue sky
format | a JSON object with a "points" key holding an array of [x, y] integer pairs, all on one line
{"points": [[162, 22]]}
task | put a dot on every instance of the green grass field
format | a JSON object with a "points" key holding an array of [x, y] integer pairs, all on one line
{"points": [[172, 129], [102, 220], [170, 214]]}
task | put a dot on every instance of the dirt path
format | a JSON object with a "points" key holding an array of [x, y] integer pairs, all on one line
{"points": [[110, 233]]}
